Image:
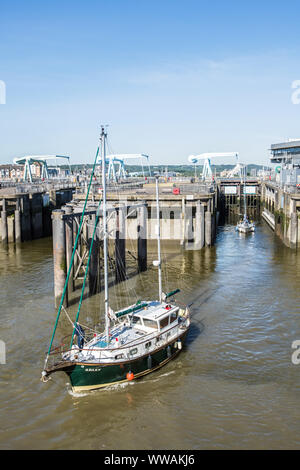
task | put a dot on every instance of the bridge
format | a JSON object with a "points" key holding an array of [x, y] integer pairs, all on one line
{"points": [[41, 160]]}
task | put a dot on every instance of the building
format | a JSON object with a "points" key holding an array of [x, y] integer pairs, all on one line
{"points": [[287, 157], [9, 172]]}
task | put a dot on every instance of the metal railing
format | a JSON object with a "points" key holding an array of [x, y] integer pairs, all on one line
{"points": [[17, 188], [161, 335]]}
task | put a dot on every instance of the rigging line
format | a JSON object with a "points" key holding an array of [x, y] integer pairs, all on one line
{"points": [[122, 267], [72, 259], [68, 317], [119, 287], [85, 326], [86, 271], [116, 186]]}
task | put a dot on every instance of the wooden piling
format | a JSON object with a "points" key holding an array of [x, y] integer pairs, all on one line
{"points": [[18, 232], [69, 247], [199, 226], [59, 256], [36, 206], [25, 218], [93, 265], [120, 274], [142, 238], [4, 222], [11, 229], [208, 229]]}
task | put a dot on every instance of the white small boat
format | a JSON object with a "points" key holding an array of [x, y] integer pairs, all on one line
{"points": [[245, 226]]}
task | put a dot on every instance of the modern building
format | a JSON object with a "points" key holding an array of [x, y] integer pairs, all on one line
{"points": [[287, 157]]}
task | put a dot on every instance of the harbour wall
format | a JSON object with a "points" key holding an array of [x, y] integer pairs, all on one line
{"points": [[190, 220], [281, 211], [27, 216]]}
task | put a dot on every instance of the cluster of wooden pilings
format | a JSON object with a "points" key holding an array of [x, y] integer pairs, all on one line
{"points": [[66, 223], [27, 216]]}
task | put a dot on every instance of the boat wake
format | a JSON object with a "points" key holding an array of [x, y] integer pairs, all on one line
{"points": [[117, 386]]}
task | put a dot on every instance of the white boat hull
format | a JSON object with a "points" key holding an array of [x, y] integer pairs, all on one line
{"points": [[245, 228]]}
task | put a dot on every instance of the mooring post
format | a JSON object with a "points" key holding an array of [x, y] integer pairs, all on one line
{"points": [[208, 241], [36, 203], [93, 265], [293, 224], [18, 235], [11, 229], [98, 256], [199, 226], [52, 197], [69, 246], [25, 218], [189, 234], [182, 241], [142, 238], [294, 230], [213, 220], [75, 231], [59, 256], [120, 274], [4, 222]]}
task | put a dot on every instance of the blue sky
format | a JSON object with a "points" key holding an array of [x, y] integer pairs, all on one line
{"points": [[170, 78]]}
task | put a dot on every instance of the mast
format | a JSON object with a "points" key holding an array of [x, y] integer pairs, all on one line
{"points": [[245, 195], [105, 248], [158, 242]]}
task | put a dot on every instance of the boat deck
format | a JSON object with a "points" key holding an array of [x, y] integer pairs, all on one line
{"points": [[127, 333]]}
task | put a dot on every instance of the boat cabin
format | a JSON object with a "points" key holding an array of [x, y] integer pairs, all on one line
{"points": [[155, 316]]}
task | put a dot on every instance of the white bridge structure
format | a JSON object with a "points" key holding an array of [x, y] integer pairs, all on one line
{"points": [[116, 164], [206, 157], [41, 160]]}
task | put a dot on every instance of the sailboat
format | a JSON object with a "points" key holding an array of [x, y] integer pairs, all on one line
{"points": [[244, 225], [137, 339]]}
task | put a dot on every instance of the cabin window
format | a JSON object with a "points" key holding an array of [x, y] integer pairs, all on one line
{"points": [[173, 316], [119, 356], [164, 322], [132, 352], [150, 323], [136, 321], [147, 345]]}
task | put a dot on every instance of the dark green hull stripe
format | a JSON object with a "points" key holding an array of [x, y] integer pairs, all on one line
{"points": [[91, 376]]}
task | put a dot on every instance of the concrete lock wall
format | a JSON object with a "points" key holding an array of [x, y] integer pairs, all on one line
{"points": [[186, 222], [281, 212], [191, 224], [28, 216], [194, 224]]}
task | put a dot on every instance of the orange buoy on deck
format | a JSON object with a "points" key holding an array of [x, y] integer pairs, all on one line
{"points": [[129, 375]]}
